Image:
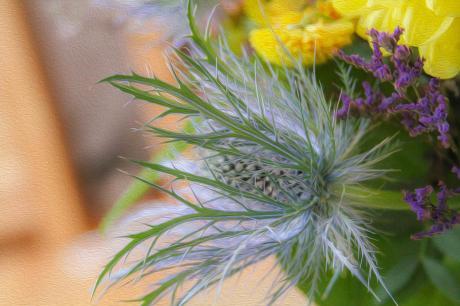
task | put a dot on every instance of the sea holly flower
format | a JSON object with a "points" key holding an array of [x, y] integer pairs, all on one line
{"points": [[290, 30], [273, 174], [423, 113], [433, 26]]}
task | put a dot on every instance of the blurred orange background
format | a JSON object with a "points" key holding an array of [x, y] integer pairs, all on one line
{"points": [[61, 136]]}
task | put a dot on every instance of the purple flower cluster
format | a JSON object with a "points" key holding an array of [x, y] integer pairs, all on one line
{"points": [[429, 113], [456, 171], [403, 71], [442, 217]]}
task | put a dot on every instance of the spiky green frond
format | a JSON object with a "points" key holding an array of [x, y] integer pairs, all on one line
{"points": [[274, 174]]}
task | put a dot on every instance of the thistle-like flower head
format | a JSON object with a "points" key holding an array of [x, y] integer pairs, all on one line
{"points": [[274, 174]]}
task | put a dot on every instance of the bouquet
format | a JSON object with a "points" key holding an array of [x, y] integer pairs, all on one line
{"points": [[328, 140]]}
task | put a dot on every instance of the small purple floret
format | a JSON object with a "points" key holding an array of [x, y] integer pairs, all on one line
{"points": [[441, 216], [456, 171], [343, 111], [419, 201]]}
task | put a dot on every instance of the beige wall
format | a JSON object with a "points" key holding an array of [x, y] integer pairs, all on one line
{"points": [[81, 44], [49, 255]]}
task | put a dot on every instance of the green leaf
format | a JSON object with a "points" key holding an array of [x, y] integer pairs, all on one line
{"points": [[449, 243], [398, 276], [442, 278], [426, 295], [148, 97]]}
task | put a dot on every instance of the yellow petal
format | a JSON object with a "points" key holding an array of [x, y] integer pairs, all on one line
{"points": [[421, 25], [253, 9], [351, 7], [287, 18], [275, 12], [277, 46], [287, 5], [385, 3], [322, 40], [313, 43], [442, 56], [444, 7], [378, 19]]}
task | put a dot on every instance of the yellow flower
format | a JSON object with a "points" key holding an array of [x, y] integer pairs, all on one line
{"points": [[275, 12], [292, 29], [431, 25]]}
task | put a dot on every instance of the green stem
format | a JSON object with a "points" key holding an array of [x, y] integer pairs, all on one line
{"points": [[387, 199]]}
